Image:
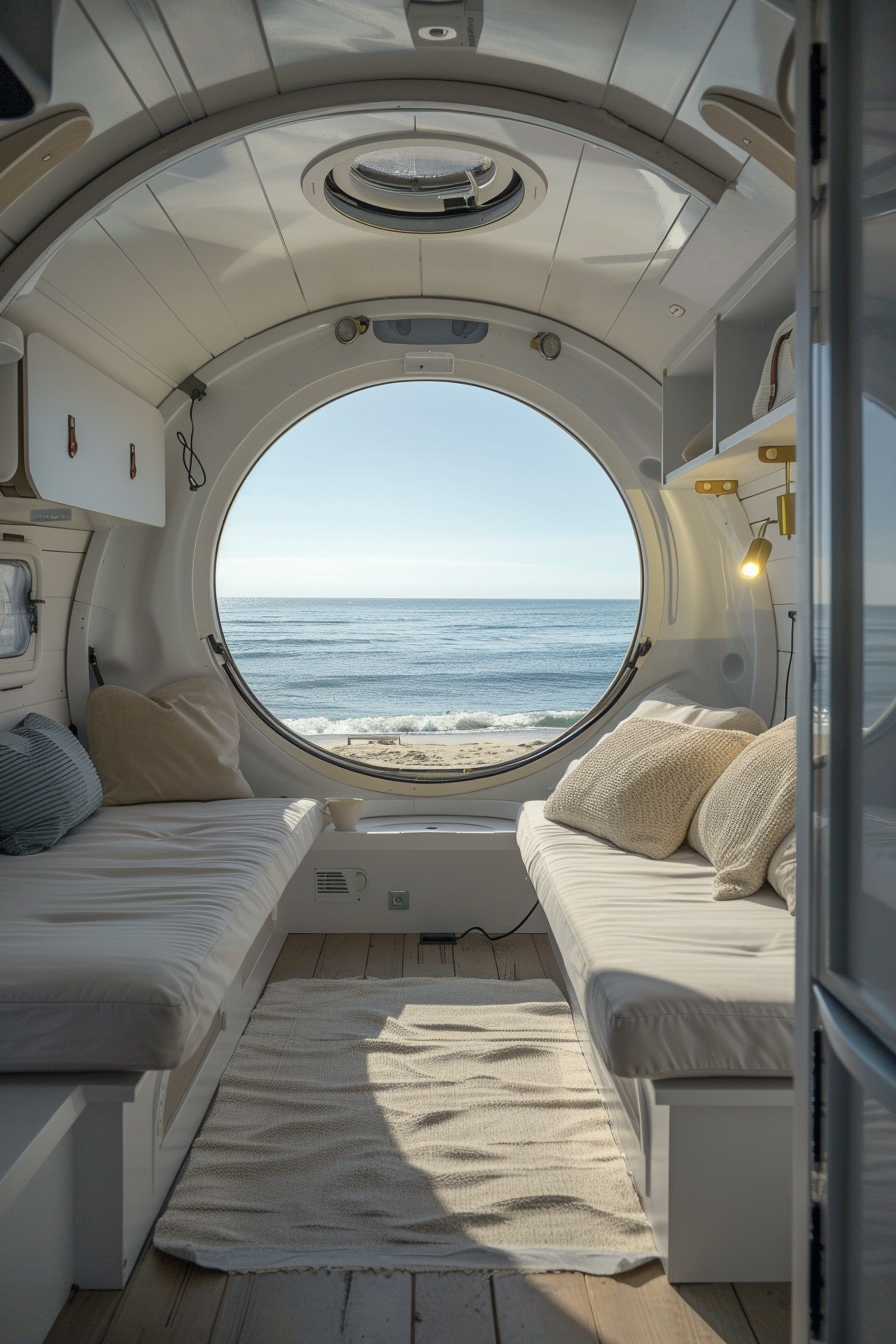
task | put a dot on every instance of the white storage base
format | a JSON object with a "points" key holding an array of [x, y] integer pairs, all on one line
{"points": [[458, 870], [711, 1159], [85, 1168]]}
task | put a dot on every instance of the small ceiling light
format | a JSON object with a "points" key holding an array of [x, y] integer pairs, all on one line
{"points": [[547, 343], [756, 558], [438, 34], [347, 328]]}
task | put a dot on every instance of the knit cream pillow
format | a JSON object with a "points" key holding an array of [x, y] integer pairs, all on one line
{"points": [[748, 812], [180, 744], [640, 785]]}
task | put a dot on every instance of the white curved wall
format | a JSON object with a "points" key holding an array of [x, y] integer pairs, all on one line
{"points": [[148, 595]]}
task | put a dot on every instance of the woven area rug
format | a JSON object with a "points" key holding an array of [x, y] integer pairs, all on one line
{"points": [[412, 1124]]}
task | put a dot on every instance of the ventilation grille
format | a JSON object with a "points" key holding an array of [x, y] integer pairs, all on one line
{"points": [[331, 882], [339, 884]]}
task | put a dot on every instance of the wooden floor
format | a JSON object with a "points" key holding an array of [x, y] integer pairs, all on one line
{"points": [[170, 1302]]}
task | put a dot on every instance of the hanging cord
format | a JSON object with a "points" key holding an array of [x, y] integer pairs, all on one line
{"points": [[792, 616], [187, 454]]}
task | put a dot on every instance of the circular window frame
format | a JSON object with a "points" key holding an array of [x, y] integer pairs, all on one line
{"points": [[597, 395], [332, 187], [470, 776]]}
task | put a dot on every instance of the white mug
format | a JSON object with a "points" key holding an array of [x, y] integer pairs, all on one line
{"points": [[343, 812]]}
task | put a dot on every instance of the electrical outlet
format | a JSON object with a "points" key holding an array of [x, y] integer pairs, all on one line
{"points": [[399, 900]]}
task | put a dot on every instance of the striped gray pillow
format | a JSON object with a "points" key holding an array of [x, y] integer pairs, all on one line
{"points": [[47, 785]]}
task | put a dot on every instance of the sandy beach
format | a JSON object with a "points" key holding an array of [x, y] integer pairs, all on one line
{"points": [[432, 751]]}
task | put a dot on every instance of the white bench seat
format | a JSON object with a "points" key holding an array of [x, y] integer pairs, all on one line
{"points": [[672, 984], [118, 945], [684, 1007]]}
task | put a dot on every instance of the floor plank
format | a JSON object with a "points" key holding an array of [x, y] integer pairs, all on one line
{"points": [[283, 1308], [517, 958], [150, 1298], [642, 1307], [475, 957], [298, 957], [377, 1309], [548, 961], [427, 958], [85, 1318], [767, 1308], [544, 1309], [453, 1309], [717, 1306], [385, 959], [344, 956]]}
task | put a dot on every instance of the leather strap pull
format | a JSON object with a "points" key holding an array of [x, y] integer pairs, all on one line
{"points": [[773, 378]]}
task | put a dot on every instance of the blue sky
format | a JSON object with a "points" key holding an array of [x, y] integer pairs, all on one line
{"points": [[428, 489]]}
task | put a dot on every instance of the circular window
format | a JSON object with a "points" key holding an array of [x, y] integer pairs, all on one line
{"points": [[428, 579], [422, 186]]}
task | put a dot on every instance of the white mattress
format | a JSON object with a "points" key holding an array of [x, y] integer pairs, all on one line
{"points": [[118, 944], [671, 982]]}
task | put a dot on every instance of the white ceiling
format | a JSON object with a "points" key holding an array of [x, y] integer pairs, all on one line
{"points": [[226, 245]]}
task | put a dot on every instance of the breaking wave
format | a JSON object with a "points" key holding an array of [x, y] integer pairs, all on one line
{"points": [[463, 722]]}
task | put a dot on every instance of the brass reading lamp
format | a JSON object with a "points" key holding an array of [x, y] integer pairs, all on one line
{"points": [[758, 552], [760, 548]]}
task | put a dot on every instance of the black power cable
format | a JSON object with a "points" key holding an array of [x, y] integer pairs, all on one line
{"points": [[496, 937], [792, 616], [188, 456]]}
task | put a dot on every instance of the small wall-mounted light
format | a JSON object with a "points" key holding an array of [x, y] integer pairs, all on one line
{"points": [[785, 453], [758, 552], [348, 328], [547, 343]]}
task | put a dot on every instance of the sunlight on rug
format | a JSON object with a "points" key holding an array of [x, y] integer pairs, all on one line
{"points": [[408, 1124]]}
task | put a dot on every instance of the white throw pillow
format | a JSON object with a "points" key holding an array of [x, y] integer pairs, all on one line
{"points": [[782, 870], [669, 704]]}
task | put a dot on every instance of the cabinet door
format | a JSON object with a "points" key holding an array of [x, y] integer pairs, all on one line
{"points": [[857, 1180], [854, 431]]}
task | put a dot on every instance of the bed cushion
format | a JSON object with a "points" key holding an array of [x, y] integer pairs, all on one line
{"points": [[671, 982], [118, 945], [47, 785]]}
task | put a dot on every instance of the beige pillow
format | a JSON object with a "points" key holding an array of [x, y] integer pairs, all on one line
{"points": [[782, 870], [748, 812], [180, 744], [668, 703], [640, 785]]}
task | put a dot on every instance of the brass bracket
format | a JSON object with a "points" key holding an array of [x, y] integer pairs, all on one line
{"points": [[778, 453], [72, 439], [716, 487]]}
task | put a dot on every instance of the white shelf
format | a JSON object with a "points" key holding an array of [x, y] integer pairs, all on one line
{"points": [[738, 455]]}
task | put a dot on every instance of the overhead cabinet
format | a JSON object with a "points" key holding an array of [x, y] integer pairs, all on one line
{"points": [[709, 386], [88, 441]]}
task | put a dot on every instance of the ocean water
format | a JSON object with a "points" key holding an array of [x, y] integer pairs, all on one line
{"points": [[369, 665]]}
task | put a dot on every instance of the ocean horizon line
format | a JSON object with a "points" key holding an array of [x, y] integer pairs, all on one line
{"points": [[297, 597]]}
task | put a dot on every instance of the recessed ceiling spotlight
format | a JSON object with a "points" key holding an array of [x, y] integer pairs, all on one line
{"points": [[347, 328], [423, 185], [547, 343], [452, 23]]}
